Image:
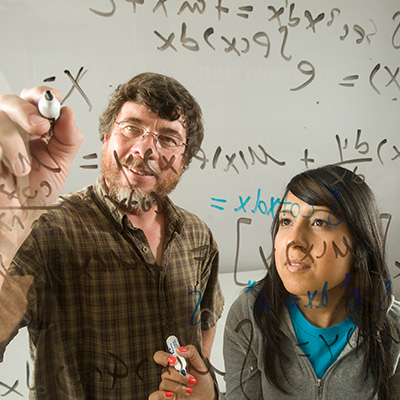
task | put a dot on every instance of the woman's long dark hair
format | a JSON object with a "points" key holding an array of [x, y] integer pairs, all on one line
{"points": [[368, 293]]}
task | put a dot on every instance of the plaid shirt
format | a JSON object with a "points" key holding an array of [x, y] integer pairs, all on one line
{"points": [[100, 306]]}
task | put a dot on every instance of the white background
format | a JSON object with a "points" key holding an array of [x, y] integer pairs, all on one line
{"points": [[247, 99]]}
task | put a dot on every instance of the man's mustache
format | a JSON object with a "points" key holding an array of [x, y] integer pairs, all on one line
{"points": [[143, 164]]}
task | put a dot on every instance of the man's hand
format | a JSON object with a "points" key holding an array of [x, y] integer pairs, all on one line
{"points": [[33, 168]]}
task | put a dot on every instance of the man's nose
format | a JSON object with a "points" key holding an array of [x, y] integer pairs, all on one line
{"points": [[146, 146]]}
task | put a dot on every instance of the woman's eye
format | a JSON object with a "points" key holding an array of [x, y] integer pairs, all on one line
{"points": [[284, 222], [320, 222]]}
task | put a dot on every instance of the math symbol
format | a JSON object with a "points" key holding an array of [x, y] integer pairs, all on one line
{"points": [[348, 80], [397, 264], [203, 250], [250, 286], [397, 153], [244, 11], [361, 147], [218, 201], [306, 159], [75, 85], [10, 389], [91, 156]]}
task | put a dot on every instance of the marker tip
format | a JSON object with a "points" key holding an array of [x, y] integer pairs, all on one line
{"points": [[48, 95]]}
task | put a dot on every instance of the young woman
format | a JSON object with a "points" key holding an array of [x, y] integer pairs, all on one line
{"points": [[323, 323]]}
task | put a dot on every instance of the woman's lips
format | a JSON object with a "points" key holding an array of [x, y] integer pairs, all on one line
{"points": [[296, 266]]}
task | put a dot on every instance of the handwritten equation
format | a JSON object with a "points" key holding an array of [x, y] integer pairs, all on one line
{"points": [[352, 150], [283, 18], [386, 219], [281, 21], [115, 368]]}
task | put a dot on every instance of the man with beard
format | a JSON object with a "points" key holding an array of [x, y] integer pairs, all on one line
{"points": [[109, 272]]}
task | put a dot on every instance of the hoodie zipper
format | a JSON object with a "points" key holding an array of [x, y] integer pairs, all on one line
{"points": [[319, 386]]}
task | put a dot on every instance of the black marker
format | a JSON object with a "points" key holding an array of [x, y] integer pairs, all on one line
{"points": [[49, 107]]}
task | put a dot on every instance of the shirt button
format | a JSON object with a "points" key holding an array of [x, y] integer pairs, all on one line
{"points": [[145, 249]]}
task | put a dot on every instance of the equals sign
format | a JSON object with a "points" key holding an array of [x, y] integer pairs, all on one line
{"points": [[349, 78], [218, 201], [247, 9], [91, 156]]}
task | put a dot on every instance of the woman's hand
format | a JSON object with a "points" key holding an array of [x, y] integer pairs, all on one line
{"points": [[196, 385]]}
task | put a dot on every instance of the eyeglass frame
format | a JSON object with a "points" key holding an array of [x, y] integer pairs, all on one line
{"points": [[155, 136]]}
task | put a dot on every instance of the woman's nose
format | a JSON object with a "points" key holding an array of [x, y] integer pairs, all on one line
{"points": [[298, 244], [298, 234]]}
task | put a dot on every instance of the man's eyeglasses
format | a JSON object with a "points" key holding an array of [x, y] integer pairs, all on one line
{"points": [[163, 141]]}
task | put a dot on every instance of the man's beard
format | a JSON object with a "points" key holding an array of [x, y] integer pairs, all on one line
{"points": [[131, 198]]}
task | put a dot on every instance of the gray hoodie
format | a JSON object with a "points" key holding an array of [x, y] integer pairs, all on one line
{"points": [[244, 362]]}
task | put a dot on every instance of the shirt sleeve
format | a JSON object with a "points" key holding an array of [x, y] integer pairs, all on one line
{"points": [[8, 319], [212, 303], [26, 275], [395, 379], [18, 291]]}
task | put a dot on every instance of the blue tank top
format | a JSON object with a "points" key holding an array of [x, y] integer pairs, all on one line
{"points": [[322, 346]]}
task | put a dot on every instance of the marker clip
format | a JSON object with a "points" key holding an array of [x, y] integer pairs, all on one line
{"points": [[49, 107], [173, 344]]}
